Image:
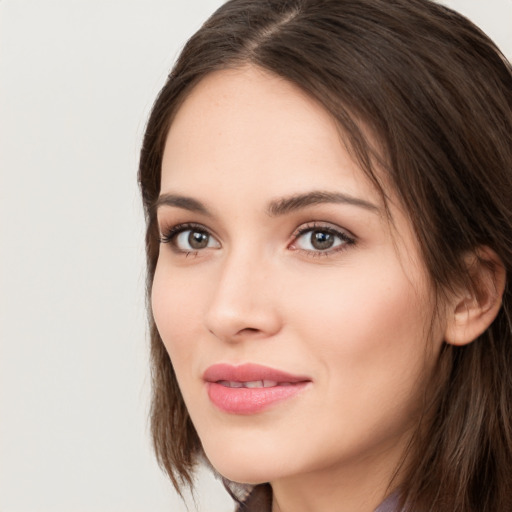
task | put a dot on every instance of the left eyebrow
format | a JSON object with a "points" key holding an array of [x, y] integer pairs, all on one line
{"points": [[286, 205]]}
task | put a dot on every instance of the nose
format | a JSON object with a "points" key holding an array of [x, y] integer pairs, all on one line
{"points": [[244, 303]]}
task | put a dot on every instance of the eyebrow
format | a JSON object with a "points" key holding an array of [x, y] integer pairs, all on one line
{"points": [[276, 207], [184, 202], [286, 205]]}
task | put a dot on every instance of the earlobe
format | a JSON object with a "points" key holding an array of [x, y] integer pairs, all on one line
{"points": [[475, 307]]}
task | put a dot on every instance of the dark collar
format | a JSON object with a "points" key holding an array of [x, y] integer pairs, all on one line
{"points": [[260, 500]]}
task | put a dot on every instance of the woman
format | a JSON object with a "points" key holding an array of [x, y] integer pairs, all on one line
{"points": [[328, 195]]}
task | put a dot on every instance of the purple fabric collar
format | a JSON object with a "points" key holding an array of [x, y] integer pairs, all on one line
{"points": [[390, 504]]}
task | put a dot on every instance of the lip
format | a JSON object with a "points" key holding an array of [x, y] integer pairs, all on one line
{"points": [[228, 391]]}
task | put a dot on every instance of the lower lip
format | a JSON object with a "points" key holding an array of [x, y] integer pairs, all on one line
{"points": [[250, 400]]}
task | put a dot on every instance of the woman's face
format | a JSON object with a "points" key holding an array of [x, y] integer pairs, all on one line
{"points": [[298, 321]]}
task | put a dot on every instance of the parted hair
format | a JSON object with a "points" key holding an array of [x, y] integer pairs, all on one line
{"points": [[436, 94]]}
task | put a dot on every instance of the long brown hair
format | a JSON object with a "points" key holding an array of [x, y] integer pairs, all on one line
{"points": [[437, 96]]}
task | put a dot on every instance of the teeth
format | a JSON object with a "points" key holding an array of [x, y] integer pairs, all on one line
{"points": [[252, 384], [231, 384]]}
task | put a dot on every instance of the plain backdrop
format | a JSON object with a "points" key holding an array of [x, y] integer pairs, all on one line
{"points": [[77, 80]]}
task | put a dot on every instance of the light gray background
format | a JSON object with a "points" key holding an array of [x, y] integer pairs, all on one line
{"points": [[77, 79]]}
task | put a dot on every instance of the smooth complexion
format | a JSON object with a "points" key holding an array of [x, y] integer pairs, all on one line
{"points": [[276, 252]]}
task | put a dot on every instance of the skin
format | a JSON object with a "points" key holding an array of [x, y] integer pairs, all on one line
{"points": [[355, 319]]}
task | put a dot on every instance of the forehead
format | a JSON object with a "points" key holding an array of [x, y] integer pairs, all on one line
{"points": [[245, 126]]}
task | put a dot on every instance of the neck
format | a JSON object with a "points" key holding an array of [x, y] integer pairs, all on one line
{"points": [[358, 486]]}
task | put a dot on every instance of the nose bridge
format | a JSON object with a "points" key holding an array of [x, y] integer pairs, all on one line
{"points": [[241, 303]]}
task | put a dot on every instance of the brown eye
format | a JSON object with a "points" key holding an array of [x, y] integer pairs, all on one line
{"points": [[322, 240], [198, 239], [192, 239], [319, 239]]}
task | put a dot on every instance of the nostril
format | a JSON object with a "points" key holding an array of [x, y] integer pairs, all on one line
{"points": [[248, 330]]}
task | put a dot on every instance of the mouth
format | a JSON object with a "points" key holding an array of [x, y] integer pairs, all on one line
{"points": [[250, 388], [253, 384]]}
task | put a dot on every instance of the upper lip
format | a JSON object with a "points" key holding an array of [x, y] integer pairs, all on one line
{"points": [[249, 372]]}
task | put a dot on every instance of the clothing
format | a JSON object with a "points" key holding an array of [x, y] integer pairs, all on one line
{"points": [[260, 500]]}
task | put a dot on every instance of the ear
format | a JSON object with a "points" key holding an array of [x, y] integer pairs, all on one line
{"points": [[473, 309]]}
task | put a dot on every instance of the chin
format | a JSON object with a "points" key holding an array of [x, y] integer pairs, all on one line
{"points": [[242, 471], [242, 466]]}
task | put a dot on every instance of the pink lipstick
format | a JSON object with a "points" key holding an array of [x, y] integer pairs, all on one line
{"points": [[250, 388]]}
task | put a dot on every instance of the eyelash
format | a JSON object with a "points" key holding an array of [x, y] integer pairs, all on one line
{"points": [[345, 239], [172, 233]]}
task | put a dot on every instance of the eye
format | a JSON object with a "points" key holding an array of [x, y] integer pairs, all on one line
{"points": [[188, 238], [321, 239]]}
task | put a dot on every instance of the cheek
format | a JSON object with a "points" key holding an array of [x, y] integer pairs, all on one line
{"points": [[366, 336], [176, 308], [365, 325]]}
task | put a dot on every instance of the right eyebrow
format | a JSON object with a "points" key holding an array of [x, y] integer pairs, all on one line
{"points": [[285, 205], [184, 202]]}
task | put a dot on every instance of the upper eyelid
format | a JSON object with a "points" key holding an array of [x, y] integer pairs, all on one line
{"points": [[183, 226], [167, 233], [328, 226]]}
